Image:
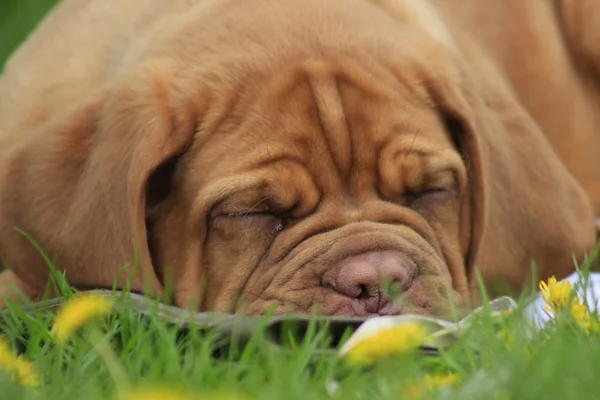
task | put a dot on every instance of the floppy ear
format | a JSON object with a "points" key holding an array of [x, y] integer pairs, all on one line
{"points": [[525, 206], [78, 186]]}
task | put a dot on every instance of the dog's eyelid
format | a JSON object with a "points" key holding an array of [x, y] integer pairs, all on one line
{"points": [[438, 186], [446, 179], [248, 212], [443, 180], [429, 198], [258, 223], [245, 213], [265, 206]]}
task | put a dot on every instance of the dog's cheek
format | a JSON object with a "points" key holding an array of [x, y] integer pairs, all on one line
{"points": [[442, 211], [234, 248]]}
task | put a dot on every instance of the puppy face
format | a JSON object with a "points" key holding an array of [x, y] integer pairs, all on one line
{"points": [[321, 170], [319, 186]]}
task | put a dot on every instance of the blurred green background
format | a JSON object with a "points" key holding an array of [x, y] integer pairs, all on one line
{"points": [[17, 19]]}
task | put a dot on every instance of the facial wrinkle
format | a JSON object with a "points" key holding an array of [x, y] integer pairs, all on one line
{"points": [[331, 116]]}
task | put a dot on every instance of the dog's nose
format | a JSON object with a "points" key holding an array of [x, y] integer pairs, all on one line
{"points": [[362, 276]]}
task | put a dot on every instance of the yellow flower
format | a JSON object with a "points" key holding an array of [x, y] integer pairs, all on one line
{"points": [[25, 374], [579, 314], [431, 383], [440, 380], [76, 312], [7, 356], [19, 369], [222, 396], [555, 294], [583, 318], [389, 341], [155, 393], [167, 393]]}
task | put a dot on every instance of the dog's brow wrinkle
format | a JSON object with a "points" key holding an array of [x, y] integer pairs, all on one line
{"points": [[405, 152], [333, 122], [278, 159]]}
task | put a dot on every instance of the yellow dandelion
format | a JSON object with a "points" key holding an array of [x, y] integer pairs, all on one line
{"points": [[440, 381], [155, 393], [387, 342], [222, 396], [430, 383], [18, 368], [579, 314], [7, 356], [167, 393], [25, 374], [583, 318], [555, 294], [76, 312]]}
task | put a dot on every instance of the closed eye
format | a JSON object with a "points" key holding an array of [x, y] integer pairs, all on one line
{"points": [[251, 220], [428, 197]]}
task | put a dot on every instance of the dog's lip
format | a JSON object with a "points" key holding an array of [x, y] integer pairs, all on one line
{"points": [[412, 301], [341, 306]]}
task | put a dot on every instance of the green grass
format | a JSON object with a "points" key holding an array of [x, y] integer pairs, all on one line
{"points": [[561, 362]]}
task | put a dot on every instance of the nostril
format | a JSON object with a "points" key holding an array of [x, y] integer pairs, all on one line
{"points": [[364, 292], [369, 276]]}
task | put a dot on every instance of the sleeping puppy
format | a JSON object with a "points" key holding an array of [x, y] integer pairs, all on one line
{"points": [[254, 155]]}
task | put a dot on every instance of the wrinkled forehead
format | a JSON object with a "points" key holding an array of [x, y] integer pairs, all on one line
{"points": [[342, 110], [332, 120]]}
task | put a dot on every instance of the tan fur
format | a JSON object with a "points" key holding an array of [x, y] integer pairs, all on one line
{"points": [[190, 130]]}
